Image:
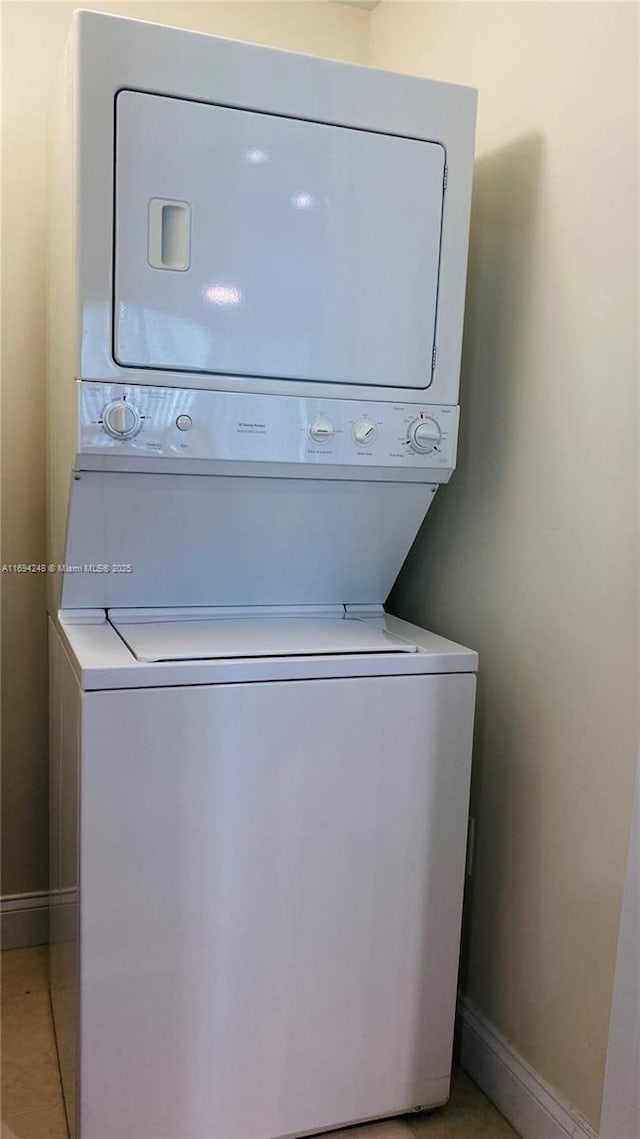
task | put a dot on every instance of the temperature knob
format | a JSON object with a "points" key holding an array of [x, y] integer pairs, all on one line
{"points": [[321, 430], [364, 432], [423, 435], [121, 420]]}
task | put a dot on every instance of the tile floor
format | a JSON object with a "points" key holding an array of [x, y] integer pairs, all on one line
{"points": [[32, 1098]]}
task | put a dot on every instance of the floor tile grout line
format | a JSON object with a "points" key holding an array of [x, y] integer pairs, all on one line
{"points": [[14, 1002], [57, 1052]]}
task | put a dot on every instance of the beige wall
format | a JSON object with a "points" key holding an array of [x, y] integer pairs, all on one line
{"points": [[530, 554], [33, 36]]}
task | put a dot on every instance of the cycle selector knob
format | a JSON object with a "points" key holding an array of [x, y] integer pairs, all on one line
{"points": [[321, 430], [423, 435], [364, 432], [121, 420]]}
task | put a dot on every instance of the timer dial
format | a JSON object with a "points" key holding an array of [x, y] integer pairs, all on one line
{"points": [[423, 435], [121, 420]]}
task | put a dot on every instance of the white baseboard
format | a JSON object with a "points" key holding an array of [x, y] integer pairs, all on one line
{"points": [[532, 1108], [24, 920]]}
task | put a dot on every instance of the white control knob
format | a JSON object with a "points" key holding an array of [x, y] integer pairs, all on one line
{"points": [[321, 430], [424, 435], [121, 420], [364, 432]]}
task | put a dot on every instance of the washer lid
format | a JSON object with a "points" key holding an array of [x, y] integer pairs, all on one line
{"points": [[226, 637]]}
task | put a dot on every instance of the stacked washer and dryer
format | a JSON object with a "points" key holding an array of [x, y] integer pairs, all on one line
{"points": [[259, 780]]}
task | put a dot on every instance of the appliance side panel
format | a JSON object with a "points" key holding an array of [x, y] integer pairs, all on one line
{"points": [[64, 779], [63, 328], [55, 665], [272, 888], [454, 251]]}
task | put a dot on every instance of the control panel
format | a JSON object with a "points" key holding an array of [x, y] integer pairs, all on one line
{"points": [[130, 420]]}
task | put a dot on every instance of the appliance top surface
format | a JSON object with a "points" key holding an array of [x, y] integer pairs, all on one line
{"points": [[147, 648], [90, 22]]}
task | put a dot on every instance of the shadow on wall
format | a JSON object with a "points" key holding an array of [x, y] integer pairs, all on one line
{"points": [[467, 512], [503, 233]]}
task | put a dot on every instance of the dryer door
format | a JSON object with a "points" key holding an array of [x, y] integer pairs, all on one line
{"points": [[251, 244]]}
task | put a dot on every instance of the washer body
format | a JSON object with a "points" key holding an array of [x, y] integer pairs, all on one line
{"points": [[258, 866]]}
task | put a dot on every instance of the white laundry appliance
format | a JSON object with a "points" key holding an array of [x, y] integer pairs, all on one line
{"points": [[259, 778]]}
